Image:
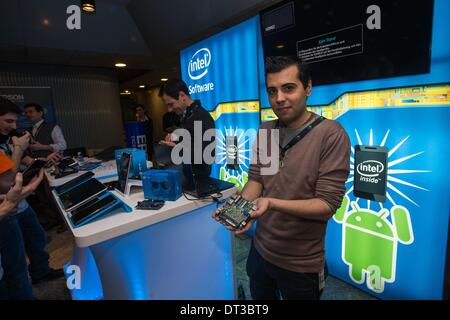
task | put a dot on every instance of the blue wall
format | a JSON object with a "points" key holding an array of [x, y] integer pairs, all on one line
{"points": [[411, 122], [418, 179]]}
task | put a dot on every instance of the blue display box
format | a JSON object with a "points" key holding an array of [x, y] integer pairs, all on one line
{"points": [[162, 184]]}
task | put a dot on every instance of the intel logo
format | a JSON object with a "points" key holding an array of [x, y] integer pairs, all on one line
{"points": [[370, 168], [199, 63], [232, 151]]}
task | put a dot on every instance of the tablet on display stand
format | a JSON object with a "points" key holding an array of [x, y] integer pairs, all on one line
{"points": [[124, 183]]}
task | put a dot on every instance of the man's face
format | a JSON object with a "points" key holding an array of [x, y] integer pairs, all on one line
{"points": [[140, 112], [174, 105], [32, 115], [287, 96], [8, 123]]}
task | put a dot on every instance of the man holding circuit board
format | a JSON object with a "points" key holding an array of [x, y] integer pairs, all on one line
{"points": [[293, 204]]}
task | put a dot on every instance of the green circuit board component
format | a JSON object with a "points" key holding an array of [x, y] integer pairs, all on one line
{"points": [[236, 212]]}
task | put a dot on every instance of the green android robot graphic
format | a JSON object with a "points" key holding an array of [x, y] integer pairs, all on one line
{"points": [[369, 241], [239, 180]]}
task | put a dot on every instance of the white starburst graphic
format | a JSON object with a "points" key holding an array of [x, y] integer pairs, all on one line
{"points": [[393, 190], [242, 140]]}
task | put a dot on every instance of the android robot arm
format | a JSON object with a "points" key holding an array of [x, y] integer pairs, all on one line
{"points": [[402, 224], [341, 211], [370, 241]]}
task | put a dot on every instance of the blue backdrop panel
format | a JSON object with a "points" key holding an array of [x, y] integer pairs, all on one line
{"points": [[222, 73], [419, 265], [418, 183]]}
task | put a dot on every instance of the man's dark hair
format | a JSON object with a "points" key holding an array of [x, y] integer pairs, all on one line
{"points": [[172, 88], [36, 107], [6, 106], [275, 64]]}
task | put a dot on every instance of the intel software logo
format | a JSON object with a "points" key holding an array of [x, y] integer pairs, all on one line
{"points": [[370, 168], [199, 63]]}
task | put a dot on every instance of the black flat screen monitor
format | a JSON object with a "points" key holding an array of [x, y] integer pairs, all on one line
{"points": [[351, 40]]}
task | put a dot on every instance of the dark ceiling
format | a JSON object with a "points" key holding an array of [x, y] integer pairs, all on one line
{"points": [[145, 34]]}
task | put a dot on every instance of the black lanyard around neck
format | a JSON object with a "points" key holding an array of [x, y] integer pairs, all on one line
{"points": [[297, 138]]}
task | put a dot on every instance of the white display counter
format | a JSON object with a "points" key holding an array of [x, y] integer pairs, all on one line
{"points": [[176, 252], [107, 170]]}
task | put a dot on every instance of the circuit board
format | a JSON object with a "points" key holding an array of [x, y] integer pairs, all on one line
{"points": [[235, 212]]}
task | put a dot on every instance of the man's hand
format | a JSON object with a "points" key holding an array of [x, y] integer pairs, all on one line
{"points": [[237, 232], [262, 205], [247, 227], [168, 143], [54, 157], [214, 214], [19, 192], [10, 200], [33, 184], [21, 142], [39, 146]]}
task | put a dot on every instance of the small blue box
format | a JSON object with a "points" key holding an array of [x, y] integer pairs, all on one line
{"points": [[162, 184], [138, 161]]}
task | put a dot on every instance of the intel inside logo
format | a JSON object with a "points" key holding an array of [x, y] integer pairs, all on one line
{"points": [[370, 168], [199, 63]]}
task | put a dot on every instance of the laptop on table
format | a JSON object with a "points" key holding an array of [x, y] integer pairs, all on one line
{"points": [[202, 186]]}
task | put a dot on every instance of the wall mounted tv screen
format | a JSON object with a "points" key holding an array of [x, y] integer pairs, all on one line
{"points": [[351, 40]]}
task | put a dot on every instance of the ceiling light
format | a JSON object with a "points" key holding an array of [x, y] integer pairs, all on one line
{"points": [[120, 65], [279, 46], [164, 79], [142, 86], [88, 6]]}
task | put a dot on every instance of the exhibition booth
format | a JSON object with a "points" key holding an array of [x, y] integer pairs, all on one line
{"points": [[386, 82]]}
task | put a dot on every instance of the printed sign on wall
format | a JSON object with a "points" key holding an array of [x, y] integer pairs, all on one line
{"points": [[221, 72], [394, 249], [23, 95]]}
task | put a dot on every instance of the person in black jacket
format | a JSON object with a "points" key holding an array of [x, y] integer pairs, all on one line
{"points": [[175, 95], [171, 121]]}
